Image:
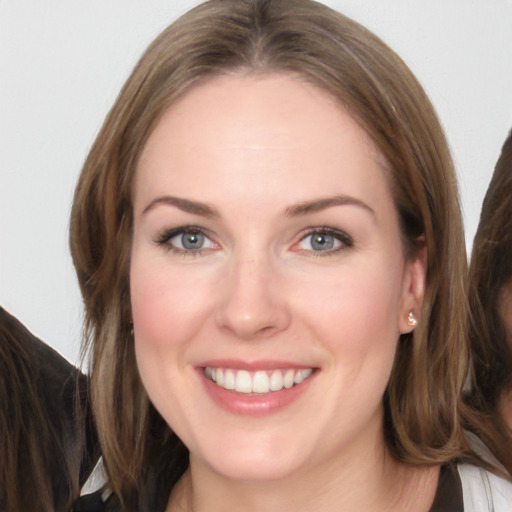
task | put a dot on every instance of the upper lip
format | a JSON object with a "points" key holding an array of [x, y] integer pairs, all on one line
{"points": [[266, 364]]}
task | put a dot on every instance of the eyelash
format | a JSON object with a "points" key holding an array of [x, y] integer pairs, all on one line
{"points": [[163, 240], [346, 241]]}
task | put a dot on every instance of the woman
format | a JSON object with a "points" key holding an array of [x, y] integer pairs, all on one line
{"points": [[268, 241], [490, 299]]}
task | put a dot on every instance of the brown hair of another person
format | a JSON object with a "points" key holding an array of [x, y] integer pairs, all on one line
{"points": [[490, 271], [48, 448]]}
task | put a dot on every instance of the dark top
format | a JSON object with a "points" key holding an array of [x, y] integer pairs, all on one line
{"points": [[40, 396], [448, 496]]}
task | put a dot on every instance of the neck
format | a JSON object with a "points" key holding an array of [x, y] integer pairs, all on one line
{"points": [[372, 481]]}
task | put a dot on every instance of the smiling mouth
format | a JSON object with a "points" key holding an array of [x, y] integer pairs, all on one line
{"points": [[259, 382]]}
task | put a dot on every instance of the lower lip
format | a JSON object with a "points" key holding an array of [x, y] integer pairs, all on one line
{"points": [[253, 404]]}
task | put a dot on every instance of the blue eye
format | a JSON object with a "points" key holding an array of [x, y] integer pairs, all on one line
{"points": [[185, 240], [189, 241], [322, 242], [325, 240]]}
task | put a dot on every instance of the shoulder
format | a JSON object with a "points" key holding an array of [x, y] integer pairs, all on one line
{"points": [[90, 503], [98, 501], [483, 490], [95, 494]]}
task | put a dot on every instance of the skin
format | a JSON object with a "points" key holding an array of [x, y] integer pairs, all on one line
{"points": [[505, 312], [252, 149]]}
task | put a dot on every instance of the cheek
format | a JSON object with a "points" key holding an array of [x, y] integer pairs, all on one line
{"points": [[165, 304], [151, 305], [355, 303], [355, 316], [167, 310]]}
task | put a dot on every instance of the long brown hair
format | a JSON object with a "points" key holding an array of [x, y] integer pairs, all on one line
{"points": [[340, 56], [47, 447], [490, 271]]}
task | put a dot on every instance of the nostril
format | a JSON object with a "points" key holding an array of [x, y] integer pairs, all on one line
{"points": [[250, 329], [269, 329]]}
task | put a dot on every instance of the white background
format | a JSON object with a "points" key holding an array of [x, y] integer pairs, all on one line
{"points": [[62, 64]]}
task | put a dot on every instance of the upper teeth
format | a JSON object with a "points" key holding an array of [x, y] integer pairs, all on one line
{"points": [[256, 382]]}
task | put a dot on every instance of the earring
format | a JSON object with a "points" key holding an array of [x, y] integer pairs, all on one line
{"points": [[411, 319]]}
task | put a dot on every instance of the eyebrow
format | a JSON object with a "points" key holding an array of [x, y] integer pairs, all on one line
{"points": [[318, 205], [186, 205], [307, 207]]}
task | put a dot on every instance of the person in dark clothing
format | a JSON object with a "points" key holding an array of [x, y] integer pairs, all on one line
{"points": [[48, 444]]}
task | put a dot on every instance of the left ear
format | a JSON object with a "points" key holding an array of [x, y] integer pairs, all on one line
{"points": [[413, 290]]}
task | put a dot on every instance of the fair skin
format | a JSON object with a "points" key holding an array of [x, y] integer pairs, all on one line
{"points": [[505, 312], [266, 245]]}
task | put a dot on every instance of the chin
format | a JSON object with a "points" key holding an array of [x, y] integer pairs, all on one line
{"points": [[254, 461], [256, 470]]}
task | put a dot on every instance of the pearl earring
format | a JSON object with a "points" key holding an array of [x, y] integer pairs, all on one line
{"points": [[411, 319]]}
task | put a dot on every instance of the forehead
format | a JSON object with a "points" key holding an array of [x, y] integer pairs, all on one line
{"points": [[273, 127]]}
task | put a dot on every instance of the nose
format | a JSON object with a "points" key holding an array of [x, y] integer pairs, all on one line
{"points": [[252, 303]]}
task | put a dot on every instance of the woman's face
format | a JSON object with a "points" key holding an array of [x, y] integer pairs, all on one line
{"points": [[267, 256]]}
